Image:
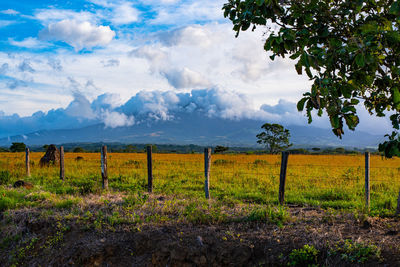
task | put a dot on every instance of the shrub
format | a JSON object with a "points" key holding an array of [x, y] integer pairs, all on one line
{"points": [[305, 256], [355, 252]]}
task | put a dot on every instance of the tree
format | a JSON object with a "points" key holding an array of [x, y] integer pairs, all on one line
{"points": [[349, 49], [78, 149], [17, 147], [220, 149], [275, 138]]}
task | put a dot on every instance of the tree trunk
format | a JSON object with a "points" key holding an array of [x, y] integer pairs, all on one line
{"points": [[398, 205]]}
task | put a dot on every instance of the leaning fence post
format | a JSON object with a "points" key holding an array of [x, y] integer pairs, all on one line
{"points": [[104, 167], [207, 165], [282, 179], [367, 180], [149, 169], [27, 166], [62, 170]]}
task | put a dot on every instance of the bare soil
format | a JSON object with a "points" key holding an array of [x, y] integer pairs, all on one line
{"points": [[181, 244]]}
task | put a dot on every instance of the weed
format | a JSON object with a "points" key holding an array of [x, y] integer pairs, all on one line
{"points": [[305, 256], [355, 252]]}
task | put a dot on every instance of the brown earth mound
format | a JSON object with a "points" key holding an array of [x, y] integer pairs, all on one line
{"points": [[51, 157]]}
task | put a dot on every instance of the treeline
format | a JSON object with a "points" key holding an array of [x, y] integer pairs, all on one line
{"points": [[181, 149]]}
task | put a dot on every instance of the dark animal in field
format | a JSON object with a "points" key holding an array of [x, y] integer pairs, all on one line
{"points": [[21, 183], [51, 157], [79, 158]]}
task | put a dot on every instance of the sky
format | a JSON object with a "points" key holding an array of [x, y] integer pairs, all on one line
{"points": [[73, 63]]}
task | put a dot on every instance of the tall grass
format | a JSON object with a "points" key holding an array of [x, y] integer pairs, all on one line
{"points": [[335, 181]]}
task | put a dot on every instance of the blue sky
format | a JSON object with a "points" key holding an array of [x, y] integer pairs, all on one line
{"points": [[84, 61]]}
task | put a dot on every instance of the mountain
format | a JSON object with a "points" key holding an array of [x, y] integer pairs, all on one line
{"points": [[193, 129]]}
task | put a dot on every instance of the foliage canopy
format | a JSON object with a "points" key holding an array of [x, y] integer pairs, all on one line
{"points": [[349, 49], [275, 137], [17, 147]]}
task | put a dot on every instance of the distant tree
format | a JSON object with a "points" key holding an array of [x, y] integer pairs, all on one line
{"points": [[316, 149], [275, 138], [17, 147], [78, 150], [3, 149], [220, 149], [45, 147], [130, 148]]}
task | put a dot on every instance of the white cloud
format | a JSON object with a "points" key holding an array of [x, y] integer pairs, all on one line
{"points": [[9, 12], [5, 23], [114, 119], [78, 34], [29, 42], [52, 15], [185, 78], [124, 14]]}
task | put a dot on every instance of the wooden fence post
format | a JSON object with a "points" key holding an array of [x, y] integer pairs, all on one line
{"points": [[282, 179], [149, 169], [27, 159], [104, 167], [367, 184], [207, 165], [62, 170]]}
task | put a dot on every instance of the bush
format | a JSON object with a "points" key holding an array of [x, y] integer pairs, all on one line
{"points": [[355, 252], [305, 256], [5, 177]]}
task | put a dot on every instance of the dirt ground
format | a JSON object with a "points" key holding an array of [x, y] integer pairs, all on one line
{"points": [[230, 244]]}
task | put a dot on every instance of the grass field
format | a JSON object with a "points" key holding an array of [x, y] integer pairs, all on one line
{"points": [[328, 181]]}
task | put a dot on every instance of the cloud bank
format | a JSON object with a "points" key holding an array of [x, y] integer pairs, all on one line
{"points": [[144, 107]]}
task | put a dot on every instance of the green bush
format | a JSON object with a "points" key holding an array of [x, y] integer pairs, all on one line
{"points": [[355, 252], [5, 177], [305, 256]]}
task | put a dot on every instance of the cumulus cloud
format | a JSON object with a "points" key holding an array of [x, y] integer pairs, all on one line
{"points": [[26, 66], [185, 78], [114, 119], [79, 35], [52, 15], [124, 14], [195, 35]]}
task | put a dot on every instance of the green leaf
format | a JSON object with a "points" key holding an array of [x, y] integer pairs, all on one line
{"points": [[299, 68], [259, 2], [396, 98], [360, 60], [335, 122], [395, 8], [300, 104]]}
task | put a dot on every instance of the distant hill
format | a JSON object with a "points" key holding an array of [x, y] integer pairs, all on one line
{"points": [[193, 129]]}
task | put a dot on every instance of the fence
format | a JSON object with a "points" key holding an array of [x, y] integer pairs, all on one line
{"points": [[296, 177]]}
